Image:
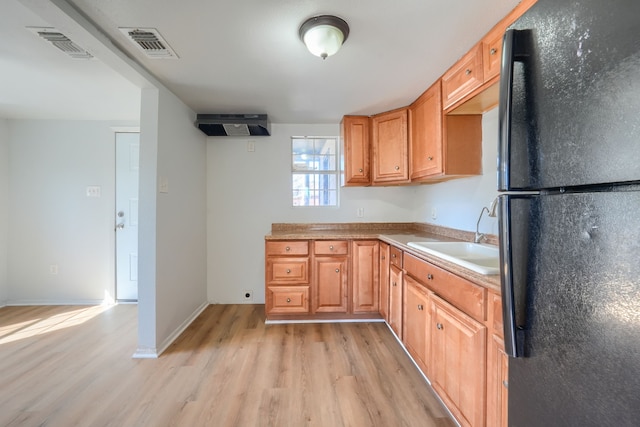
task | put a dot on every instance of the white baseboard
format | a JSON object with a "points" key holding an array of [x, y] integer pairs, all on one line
{"points": [[285, 321], [154, 353]]}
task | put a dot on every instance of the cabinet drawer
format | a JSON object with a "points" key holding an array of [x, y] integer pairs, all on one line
{"points": [[287, 299], [459, 292], [395, 256], [300, 247], [465, 76], [330, 247], [284, 271]]}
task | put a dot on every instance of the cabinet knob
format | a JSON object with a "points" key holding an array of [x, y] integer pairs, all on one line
{"points": [[493, 51], [331, 247], [394, 284], [505, 383], [429, 276], [360, 170], [382, 257], [287, 249], [420, 307], [393, 255], [430, 158], [439, 326], [467, 71], [337, 270], [288, 271], [397, 168], [288, 299]]}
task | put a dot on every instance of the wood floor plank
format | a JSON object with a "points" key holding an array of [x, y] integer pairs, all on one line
{"points": [[72, 366]]}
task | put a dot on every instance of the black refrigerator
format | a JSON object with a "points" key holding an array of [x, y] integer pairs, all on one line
{"points": [[569, 182]]}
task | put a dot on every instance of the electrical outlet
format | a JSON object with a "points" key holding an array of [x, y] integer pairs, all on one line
{"points": [[360, 212], [248, 295], [53, 269], [251, 146]]}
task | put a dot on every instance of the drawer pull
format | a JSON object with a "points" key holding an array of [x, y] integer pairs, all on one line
{"points": [[420, 307], [439, 326], [331, 247], [288, 271], [467, 71], [493, 51], [287, 249], [288, 300], [337, 270], [429, 276]]}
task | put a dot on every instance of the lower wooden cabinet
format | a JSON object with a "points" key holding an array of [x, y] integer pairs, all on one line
{"points": [[364, 276], [458, 362], [497, 382], [395, 300], [330, 285], [383, 279], [416, 321], [497, 366]]}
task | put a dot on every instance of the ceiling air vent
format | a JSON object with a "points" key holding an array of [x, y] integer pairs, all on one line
{"points": [[61, 41], [150, 42]]}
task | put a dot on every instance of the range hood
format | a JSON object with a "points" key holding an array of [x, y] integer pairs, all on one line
{"points": [[233, 124]]}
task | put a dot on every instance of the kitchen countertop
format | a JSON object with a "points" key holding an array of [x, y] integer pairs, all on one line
{"points": [[396, 234]]}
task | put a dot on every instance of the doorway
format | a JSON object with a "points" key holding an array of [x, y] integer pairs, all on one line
{"points": [[126, 215]]}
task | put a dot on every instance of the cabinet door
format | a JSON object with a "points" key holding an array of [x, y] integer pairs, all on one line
{"points": [[384, 281], [416, 322], [355, 131], [330, 285], [390, 147], [425, 133], [463, 77], [364, 276], [497, 382], [458, 362], [395, 300]]}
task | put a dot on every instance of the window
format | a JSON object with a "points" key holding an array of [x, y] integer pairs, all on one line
{"points": [[314, 171]]}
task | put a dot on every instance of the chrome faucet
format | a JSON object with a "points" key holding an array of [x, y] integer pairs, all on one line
{"points": [[491, 211]]}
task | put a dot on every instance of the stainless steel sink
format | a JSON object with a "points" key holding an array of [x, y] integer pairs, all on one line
{"points": [[483, 259]]}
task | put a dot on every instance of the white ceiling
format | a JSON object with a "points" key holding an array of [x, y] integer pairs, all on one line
{"points": [[242, 56]]}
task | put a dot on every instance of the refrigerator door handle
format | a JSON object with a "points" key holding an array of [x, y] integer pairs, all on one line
{"points": [[504, 110], [507, 282]]}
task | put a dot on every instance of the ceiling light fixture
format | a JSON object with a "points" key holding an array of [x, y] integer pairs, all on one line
{"points": [[323, 35]]}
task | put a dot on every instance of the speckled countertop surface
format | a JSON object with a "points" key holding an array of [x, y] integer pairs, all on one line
{"points": [[396, 234]]}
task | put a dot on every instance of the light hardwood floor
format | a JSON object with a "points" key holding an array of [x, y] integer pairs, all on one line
{"points": [[72, 366]]}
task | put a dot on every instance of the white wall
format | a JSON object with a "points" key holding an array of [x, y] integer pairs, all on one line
{"points": [[51, 220], [172, 253], [248, 191], [4, 208], [458, 202]]}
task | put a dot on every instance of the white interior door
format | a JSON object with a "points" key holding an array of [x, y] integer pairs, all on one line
{"points": [[126, 215]]}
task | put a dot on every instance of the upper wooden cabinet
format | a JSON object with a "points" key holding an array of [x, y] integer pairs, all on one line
{"points": [[390, 147], [425, 133], [463, 77], [356, 151]]}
